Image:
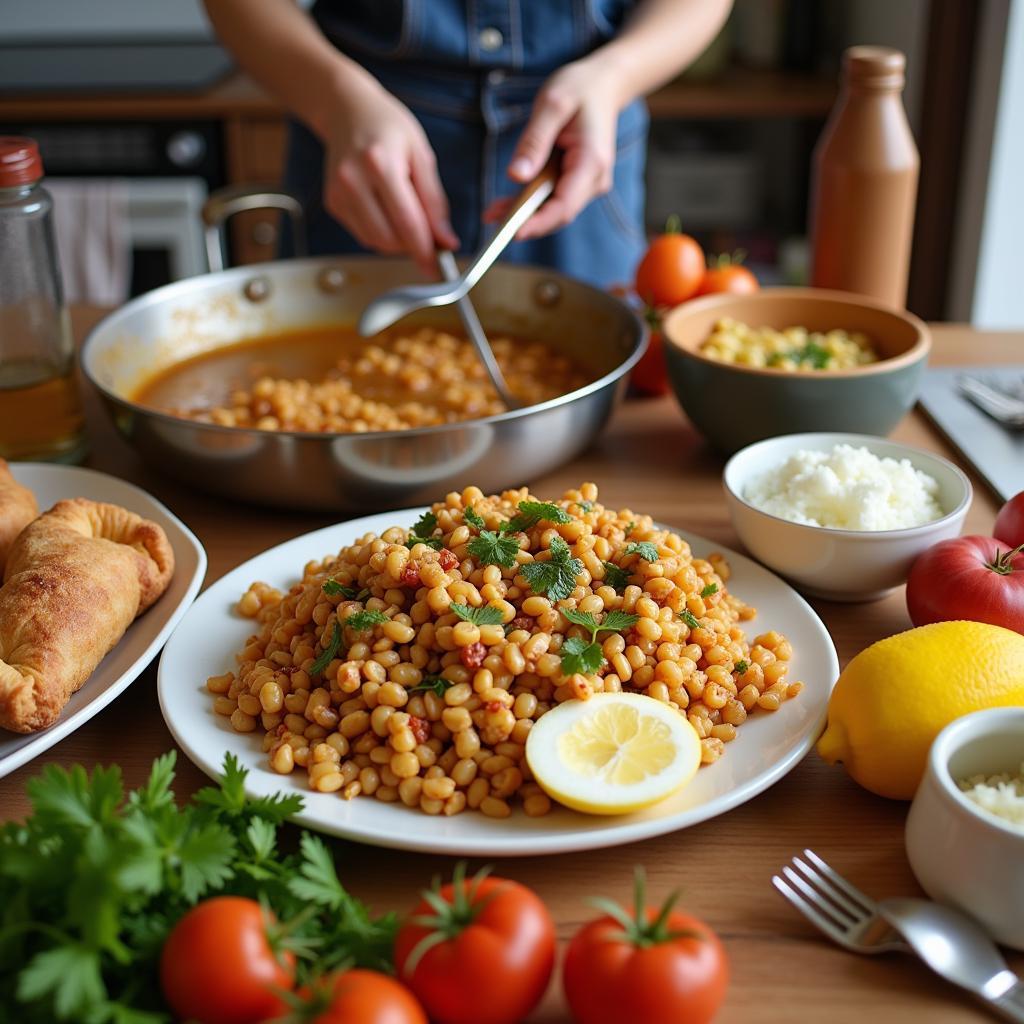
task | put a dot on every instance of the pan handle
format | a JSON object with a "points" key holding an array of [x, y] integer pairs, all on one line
{"points": [[224, 203]]}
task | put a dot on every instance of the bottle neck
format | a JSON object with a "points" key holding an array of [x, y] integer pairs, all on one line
{"points": [[22, 191]]}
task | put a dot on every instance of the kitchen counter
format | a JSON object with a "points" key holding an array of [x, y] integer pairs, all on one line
{"points": [[783, 972]]}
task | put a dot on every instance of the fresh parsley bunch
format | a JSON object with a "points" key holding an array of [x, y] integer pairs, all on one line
{"points": [[92, 883]]}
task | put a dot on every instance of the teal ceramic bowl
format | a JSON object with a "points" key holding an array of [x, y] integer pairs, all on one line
{"points": [[733, 406]]}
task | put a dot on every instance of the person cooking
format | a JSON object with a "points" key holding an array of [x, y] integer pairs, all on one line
{"points": [[416, 121]]}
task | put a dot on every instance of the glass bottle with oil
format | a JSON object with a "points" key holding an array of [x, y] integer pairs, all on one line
{"points": [[40, 412]]}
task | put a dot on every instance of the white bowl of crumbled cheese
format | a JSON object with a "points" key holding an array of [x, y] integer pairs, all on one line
{"points": [[965, 829], [843, 516]]}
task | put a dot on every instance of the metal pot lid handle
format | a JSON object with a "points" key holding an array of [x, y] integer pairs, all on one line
{"points": [[224, 203]]}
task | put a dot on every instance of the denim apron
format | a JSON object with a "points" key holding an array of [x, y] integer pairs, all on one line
{"points": [[470, 70]]}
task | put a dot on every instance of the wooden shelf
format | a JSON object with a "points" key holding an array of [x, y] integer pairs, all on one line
{"points": [[738, 94]]}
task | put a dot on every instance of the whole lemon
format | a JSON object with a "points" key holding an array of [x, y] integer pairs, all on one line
{"points": [[895, 697]]}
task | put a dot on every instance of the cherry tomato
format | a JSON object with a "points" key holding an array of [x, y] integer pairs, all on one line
{"points": [[1009, 526], [218, 965], [669, 968], [477, 951], [650, 375], [727, 274], [360, 996], [975, 578], [671, 270]]}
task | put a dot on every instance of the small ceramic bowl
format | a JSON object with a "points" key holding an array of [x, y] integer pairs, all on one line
{"points": [[840, 565], [733, 405], [963, 855]]}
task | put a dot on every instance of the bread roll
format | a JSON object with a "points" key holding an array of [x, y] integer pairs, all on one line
{"points": [[17, 509], [75, 580]]}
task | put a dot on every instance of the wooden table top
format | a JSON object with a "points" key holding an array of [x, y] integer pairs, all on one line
{"points": [[782, 970]]}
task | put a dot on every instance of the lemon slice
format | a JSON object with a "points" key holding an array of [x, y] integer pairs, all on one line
{"points": [[613, 753]]}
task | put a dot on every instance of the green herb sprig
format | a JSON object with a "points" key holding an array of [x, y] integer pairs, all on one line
{"points": [[491, 548], [531, 513], [332, 588], [329, 653], [709, 589], [484, 616], [437, 685], [421, 532], [615, 577], [473, 518], [689, 618], [585, 656], [555, 577], [644, 548]]}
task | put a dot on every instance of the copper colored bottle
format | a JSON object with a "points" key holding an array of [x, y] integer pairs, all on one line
{"points": [[865, 182]]}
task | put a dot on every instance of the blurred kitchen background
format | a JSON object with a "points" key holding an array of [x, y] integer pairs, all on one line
{"points": [[140, 114]]}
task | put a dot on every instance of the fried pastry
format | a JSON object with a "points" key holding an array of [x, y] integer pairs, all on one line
{"points": [[17, 509], [75, 580]]}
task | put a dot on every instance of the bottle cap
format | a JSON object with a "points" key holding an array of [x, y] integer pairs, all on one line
{"points": [[874, 67], [20, 163]]}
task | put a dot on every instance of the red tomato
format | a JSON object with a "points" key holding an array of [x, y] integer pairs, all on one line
{"points": [[671, 968], [671, 270], [482, 951], [218, 965], [727, 275], [650, 375], [1009, 526], [359, 996], [974, 578]]}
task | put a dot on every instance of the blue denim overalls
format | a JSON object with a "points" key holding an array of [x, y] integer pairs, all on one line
{"points": [[469, 70]]}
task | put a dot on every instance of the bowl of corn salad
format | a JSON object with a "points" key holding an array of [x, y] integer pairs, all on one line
{"points": [[410, 666], [793, 360]]}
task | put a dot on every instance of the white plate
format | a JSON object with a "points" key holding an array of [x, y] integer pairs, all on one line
{"points": [[767, 747], [145, 637]]}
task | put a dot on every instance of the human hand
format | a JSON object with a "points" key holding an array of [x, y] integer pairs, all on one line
{"points": [[576, 110], [381, 180]]}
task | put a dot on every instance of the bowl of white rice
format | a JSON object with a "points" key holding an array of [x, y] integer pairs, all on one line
{"points": [[843, 516], [965, 829]]}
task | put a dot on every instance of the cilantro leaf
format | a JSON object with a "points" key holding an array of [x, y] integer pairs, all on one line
{"points": [[425, 525], [473, 518], [555, 577], [533, 512], [68, 974], [431, 542], [365, 620], [205, 855], [329, 653], [711, 588], [72, 798], [618, 620], [741, 668], [317, 881], [485, 616], [644, 548], [155, 792], [261, 837], [689, 618], [616, 578], [432, 684], [332, 588], [494, 549], [630, 527], [230, 794], [584, 619], [581, 655]]}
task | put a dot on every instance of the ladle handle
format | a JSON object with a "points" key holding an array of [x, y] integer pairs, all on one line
{"points": [[526, 204], [225, 202]]}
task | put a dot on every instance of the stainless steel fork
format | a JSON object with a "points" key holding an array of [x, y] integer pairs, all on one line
{"points": [[949, 942]]}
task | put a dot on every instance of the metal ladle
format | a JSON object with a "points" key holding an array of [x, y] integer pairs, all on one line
{"points": [[389, 308]]}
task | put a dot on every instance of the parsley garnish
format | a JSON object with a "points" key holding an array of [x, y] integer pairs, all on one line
{"points": [[741, 668], [432, 684], [421, 532], [366, 619], [689, 618], [473, 518], [585, 506], [615, 577], [329, 653], [630, 527], [333, 589], [494, 549], [711, 588], [644, 548], [556, 577], [586, 656], [485, 616], [533, 512], [431, 542], [812, 353]]}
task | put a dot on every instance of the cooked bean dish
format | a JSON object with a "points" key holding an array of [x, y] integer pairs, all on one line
{"points": [[331, 380], [411, 666], [795, 349]]}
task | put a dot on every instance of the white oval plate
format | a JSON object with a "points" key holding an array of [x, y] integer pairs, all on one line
{"points": [[145, 637], [768, 745]]}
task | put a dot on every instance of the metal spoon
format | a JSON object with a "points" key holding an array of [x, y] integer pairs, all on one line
{"points": [[390, 307], [467, 312]]}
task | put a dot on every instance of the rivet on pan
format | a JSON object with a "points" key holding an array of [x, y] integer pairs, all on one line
{"points": [[548, 294], [256, 289], [330, 280]]}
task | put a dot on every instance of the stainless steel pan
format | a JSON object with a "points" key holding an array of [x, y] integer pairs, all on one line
{"points": [[355, 472]]}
